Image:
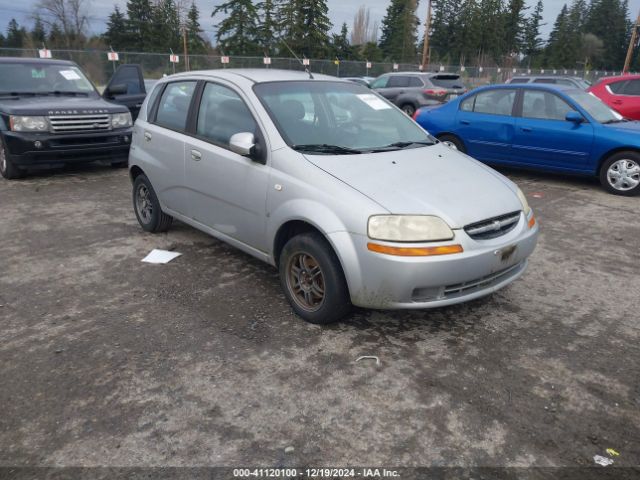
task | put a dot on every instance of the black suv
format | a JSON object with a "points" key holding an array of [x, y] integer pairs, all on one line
{"points": [[412, 90], [51, 114]]}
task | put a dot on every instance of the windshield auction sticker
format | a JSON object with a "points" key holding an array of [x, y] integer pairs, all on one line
{"points": [[374, 101], [70, 75]]}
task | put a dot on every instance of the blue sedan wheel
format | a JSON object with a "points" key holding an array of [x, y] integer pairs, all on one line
{"points": [[620, 174]]}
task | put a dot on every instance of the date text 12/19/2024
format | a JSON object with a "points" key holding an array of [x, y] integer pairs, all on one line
{"points": [[314, 473]]}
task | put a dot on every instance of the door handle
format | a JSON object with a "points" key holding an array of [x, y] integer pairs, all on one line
{"points": [[148, 136], [465, 122], [526, 129], [196, 155]]}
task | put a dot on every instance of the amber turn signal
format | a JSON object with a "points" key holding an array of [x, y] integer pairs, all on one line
{"points": [[532, 221], [414, 251]]}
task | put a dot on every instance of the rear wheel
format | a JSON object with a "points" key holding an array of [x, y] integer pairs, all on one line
{"points": [[620, 173], [313, 280], [409, 109], [147, 207], [7, 169], [453, 142]]}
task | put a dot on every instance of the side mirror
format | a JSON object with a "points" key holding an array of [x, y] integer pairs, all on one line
{"points": [[120, 89], [574, 117], [242, 143]]}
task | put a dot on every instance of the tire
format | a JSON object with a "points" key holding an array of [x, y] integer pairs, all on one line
{"points": [[308, 261], [454, 142], [620, 173], [147, 207], [7, 169], [409, 109]]}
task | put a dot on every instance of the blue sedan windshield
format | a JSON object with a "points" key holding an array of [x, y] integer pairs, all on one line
{"points": [[595, 107]]}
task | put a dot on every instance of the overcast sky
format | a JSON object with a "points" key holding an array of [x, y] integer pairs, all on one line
{"points": [[339, 11]]}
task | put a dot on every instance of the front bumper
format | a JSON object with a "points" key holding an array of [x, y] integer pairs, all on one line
{"points": [[391, 282], [53, 149]]}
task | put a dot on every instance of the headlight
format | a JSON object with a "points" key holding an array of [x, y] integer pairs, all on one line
{"points": [[408, 228], [28, 124], [523, 200], [121, 120]]}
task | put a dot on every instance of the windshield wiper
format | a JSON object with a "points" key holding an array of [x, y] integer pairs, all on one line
{"points": [[615, 120], [18, 94], [59, 92], [399, 146], [325, 148]]}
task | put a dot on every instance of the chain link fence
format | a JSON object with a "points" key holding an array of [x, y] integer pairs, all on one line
{"points": [[155, 65]]}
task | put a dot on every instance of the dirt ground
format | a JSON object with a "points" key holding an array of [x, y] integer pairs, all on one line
{"points": [[107, 361]]}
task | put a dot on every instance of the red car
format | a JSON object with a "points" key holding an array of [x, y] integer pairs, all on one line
{"points": [[620, 93]]}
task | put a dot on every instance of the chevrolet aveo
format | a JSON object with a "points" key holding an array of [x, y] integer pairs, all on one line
{"points": [[352, 201]]}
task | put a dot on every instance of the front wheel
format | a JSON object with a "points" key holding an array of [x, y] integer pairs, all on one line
{"points": [[620, 173], [147, 207], [7, 169], [453, 142], [313, 280]]}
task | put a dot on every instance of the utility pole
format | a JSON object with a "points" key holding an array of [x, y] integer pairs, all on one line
{"points": [[186, 51], [426, 51], [634, 34]]}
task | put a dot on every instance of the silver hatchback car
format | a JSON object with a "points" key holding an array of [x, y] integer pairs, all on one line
{"points": [[349, 198]]}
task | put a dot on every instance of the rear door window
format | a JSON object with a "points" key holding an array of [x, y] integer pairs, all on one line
{"points": [[617, 87], [398, 81], [495, 102], [174, 105]]}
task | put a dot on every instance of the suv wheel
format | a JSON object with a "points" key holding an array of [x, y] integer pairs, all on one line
{"points": [[7, 169], [409, 109], [147, 207], [620, 173], [312, 279]]}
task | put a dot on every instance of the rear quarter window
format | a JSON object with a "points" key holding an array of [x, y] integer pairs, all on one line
{"points": [[447, 81]]}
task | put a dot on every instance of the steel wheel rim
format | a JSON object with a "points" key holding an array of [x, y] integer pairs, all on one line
{"points": [[143, 203], [450, 144], [3, 159], [624, 175], [305, 281]]}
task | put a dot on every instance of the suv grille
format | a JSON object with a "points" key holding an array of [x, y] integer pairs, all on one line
{"points": [[80, 123], [493, 227]]}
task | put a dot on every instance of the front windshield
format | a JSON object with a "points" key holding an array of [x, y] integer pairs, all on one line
{"points": [[337, 117], [42, 78], [594, 107]]}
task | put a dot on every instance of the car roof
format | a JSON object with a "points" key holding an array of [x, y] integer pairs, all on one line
{"points": [[257, 75], [43, 61], [535, 86], [550, 77]]}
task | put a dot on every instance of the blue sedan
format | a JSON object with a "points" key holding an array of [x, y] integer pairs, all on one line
{"points": [[545, 127]]}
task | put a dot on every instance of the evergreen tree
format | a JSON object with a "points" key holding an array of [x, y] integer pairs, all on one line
{"points": [[340, 46], [139, 25], [314, 18], [195, 42], [608, 20], [268, 29], [237, 32], [514, 27], [557, 54], [56, 36], [2, 40], [116, 34], [532, 43], [15, 35], [399, 31], [165, 32], [38, 34]]}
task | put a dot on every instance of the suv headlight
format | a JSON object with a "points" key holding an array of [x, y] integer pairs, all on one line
{"points": [[28, 124], [408, 228], [121, 120], [523, 200]]}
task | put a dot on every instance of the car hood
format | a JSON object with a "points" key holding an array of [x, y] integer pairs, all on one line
{"points": [[626, 127], [58, 105], [432, 180]]}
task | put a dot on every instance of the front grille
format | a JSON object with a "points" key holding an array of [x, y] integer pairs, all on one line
{"points": [[493, 227], [79, 123], [487, 281]]}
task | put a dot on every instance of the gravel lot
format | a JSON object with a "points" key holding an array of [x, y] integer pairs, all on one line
{"points": [[107, 361]]}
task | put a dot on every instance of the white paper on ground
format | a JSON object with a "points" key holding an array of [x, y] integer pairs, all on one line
{"points": [[374, 101], [160, 256], [604, 461]]}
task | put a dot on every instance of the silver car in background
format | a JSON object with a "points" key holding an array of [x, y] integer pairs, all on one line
{"points": [[349, 198]]}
